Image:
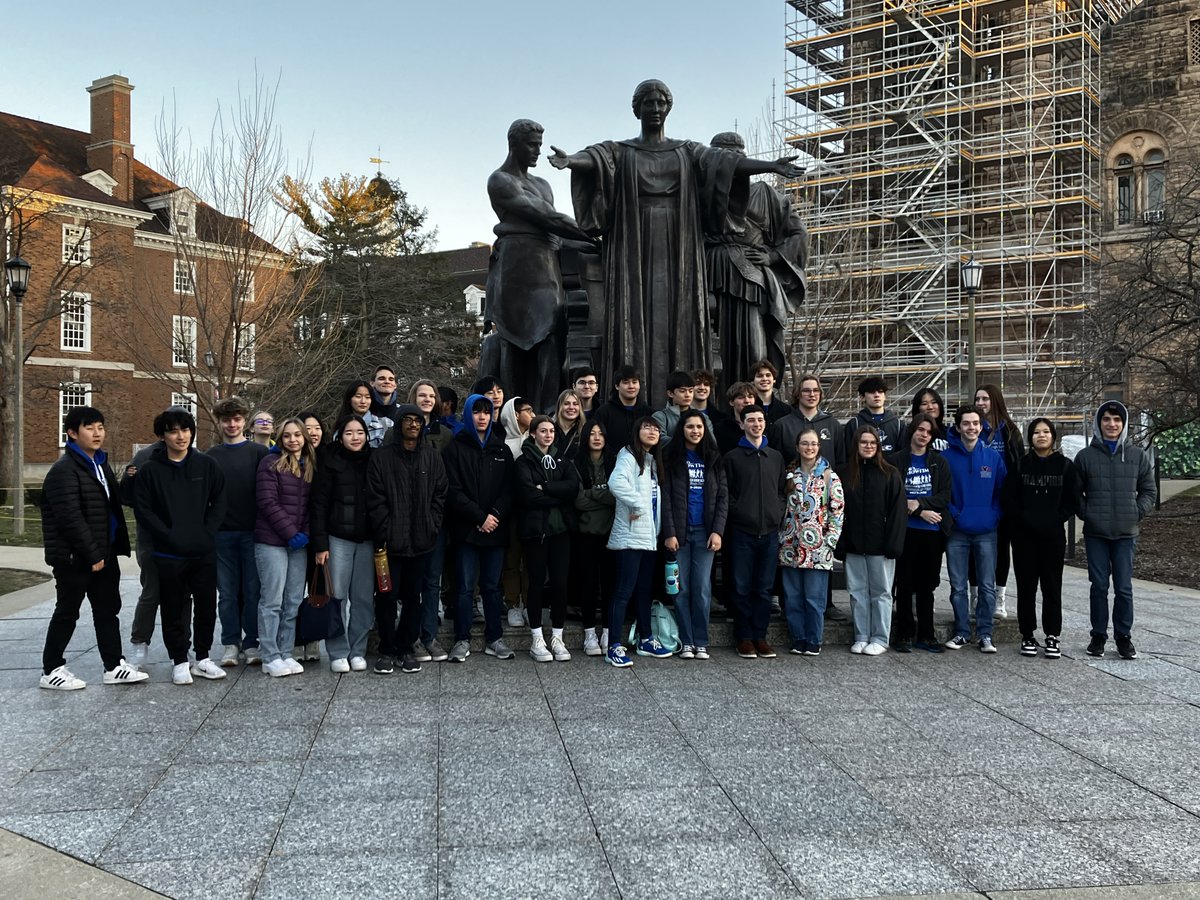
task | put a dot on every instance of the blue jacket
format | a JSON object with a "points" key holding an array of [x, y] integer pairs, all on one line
{"points": [[976, 481]]}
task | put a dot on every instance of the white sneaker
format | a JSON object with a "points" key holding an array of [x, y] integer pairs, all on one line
{"points": [[858, 647], [516, 616], [559, 650], [604, 642], [182, 674], [137, 654], [358, 664], [206, 668], [124, 673], [341, 666], [874, 649], [1001, 609], [277, 668], [591, 643], [229, 658], [253, 656], [537, 649], [293, 667], [62, 680]]}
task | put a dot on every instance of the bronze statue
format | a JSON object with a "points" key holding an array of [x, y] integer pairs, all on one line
{"points": [[756, 249], [645, 197], [525, 299]]}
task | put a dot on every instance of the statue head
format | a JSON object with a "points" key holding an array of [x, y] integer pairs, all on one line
{"points": [[525, 141], [729, 140], [647, 88], [521, 129]]}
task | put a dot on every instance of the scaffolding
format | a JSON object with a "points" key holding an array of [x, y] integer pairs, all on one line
{"points": [[932, 131]]}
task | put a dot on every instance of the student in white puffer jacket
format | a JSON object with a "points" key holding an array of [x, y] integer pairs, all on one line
{"points": [[634, 539]]}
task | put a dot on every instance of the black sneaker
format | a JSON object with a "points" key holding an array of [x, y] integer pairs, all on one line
{"points": [[410, 664], [929, 646], [1029, 647], [1052, 651], [812, 649], [902, 647], [798, 647], [1125, 647], [385, 665], [1095, 646]]}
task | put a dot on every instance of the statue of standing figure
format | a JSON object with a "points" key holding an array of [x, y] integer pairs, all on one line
{"points": [[525, 298], [646, 197], [756, 249]]}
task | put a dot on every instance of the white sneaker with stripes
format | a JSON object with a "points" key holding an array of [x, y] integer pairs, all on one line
{"points": [[124, 673], [62, 680]]}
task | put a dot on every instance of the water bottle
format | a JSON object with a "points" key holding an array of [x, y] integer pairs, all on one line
{"points": [[672, 575], [383, 574]]}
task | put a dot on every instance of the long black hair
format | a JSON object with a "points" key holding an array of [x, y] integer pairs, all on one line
{"points": [[351, 389], [635, 442], [582, 454], [939, 421], [855, 463], [674, 455]]}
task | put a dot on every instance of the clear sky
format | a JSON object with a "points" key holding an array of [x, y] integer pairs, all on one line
{"points": [[432, 85]]}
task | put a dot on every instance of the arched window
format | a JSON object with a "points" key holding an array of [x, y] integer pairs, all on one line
{"points": [[1156, 184], [1123, 175]]}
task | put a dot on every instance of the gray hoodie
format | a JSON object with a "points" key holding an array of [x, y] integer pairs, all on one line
{"points": [[1116, 486]]}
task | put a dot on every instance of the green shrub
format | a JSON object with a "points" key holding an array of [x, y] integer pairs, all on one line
{"points": [[1179, 451]]}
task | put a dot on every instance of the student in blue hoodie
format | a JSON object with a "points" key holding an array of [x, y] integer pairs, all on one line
{"points": [[977, 477]]}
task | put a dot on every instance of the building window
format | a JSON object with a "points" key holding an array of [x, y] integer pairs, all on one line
{"points": [[75, 329], [1194, 42], [1124, 179], [245, 287], [77, 245], [1156, 185], [185, 401], [246, 337], [69, 397], [185, 277], [183, 341]]}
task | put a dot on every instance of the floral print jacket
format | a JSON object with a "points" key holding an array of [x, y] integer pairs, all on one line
{"points": [[812, 521]]}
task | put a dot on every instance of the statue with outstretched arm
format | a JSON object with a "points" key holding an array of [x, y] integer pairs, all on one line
{"points": [[525, 297]]}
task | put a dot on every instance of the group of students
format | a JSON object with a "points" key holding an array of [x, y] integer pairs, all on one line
{"points": [[583, 504]]}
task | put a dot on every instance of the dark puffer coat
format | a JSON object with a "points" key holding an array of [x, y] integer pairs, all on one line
{"points": [[81, 523], [406, 497], [282, 503], [481, 478], [338, 502], [876, 514], [550, 510]]}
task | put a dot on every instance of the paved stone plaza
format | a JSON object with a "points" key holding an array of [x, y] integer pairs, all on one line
{"points": [[835, 777]]}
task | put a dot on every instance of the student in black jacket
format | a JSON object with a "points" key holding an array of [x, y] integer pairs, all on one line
{"points": [[546, 485], [479, 500], [872, 539], [1039, 497], [341, 538], [83, 530], [927, 487], [624, 407]]}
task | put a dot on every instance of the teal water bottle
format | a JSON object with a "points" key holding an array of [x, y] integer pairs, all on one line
{"points": [[672, 574]]}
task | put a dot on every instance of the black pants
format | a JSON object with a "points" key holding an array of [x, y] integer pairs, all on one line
{"points": [[918, 571], [182, 582], [408, 577], [147, 605], [592, 574], [1004, 538], [551, 555], [1038, 558], [103, 590]]}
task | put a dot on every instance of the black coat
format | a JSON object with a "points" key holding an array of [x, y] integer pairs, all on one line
{"points": [[337, 505], [181, 505], [673, 489], [876, 515], [943, 484], [757, 481], [559, 482], [1041, 494], [480, 478], [81, 523], [406, 498], [618, 420]]}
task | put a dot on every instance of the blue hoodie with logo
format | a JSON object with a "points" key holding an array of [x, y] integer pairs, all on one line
{"points": [[976, 480]]}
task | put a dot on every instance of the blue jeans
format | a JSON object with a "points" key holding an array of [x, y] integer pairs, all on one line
{"points": [[635, 576], [237, 588], [869, 582], [351, 571], [484, 564], [754, 560], [959, 547], [281, 577], [804, 594], [695, 587], [431, 588], [1111, 559]]}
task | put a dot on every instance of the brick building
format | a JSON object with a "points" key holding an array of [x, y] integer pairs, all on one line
{"points": [[140, 295]]}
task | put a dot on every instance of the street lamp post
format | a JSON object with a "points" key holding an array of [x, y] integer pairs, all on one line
{"points": [[971, 274], [17, 272]]}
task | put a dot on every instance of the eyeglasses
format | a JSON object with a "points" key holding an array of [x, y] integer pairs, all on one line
{"points": [[411, 420], [810, 390], [264, 421], [587, 382]]}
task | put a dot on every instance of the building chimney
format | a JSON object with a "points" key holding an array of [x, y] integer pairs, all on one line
{"points": [[110, 149]]}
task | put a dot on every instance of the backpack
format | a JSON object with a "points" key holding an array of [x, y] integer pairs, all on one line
{"points": [[664, 626]]}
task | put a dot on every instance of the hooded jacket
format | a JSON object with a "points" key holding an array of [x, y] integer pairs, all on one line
{"points": [[338, 500], [282, 503], [813, 518], [784, 433], [1116, 488], [406, 494], [386, 410], [1042, 493], [180, 504], [618, 419], [546, 488], [977, 483], [939, 474], [875, 514], [887, 425], [594, 504], [82, 520], [480, 476], [513, 436]]}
